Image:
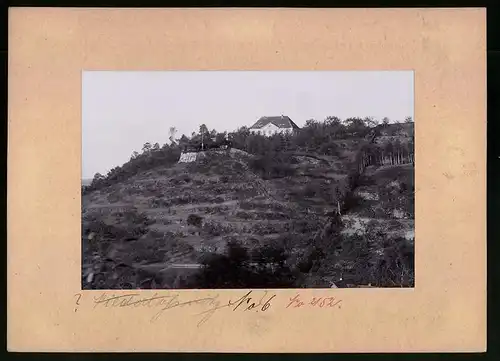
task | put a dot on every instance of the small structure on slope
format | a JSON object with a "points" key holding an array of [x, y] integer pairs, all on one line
{"points": [[189, 157]]}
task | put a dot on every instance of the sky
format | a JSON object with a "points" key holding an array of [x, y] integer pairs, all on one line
{"points": [[122, 110]]}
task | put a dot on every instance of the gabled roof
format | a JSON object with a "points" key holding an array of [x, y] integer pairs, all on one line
{"points": [[279, 121]]}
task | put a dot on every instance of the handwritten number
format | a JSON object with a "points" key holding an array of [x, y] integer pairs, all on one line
{"points": [[267, 304], [321, 302], [315, 301]]}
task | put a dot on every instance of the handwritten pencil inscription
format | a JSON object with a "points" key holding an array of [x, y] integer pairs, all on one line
{"points": [[162, 303], [251, 301], [327, 302]]}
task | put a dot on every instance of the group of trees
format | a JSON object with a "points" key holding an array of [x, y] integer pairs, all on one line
{"points": [[316, 136], [390, 153], [151, 156]]}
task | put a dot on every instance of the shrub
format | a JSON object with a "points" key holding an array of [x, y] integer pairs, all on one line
{"points": [[309, 190], [114, 197], [275, 165], [305, 226], [215, 229], [396, 266], [159, 202], [246, 205], [329, 149], [350, 202], [272, 253], [244, 215]]}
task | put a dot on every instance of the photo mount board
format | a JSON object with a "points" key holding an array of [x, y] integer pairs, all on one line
{"points": [[50, 47]]}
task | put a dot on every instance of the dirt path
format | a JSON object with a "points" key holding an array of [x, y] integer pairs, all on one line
{"points": [[193, 205], [160, 267]]}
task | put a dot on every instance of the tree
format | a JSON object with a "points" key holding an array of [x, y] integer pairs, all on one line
{"points": [[203, 134], [332, 120], [371, 122], [389, 152], [397, 150], [356, 126], [220, 137], [287, 140], [183, 142], [156, 146], [338, 197], [239, 138], [385, 121], [311, 123], [408, 120], [146, 147], [98, 178]]}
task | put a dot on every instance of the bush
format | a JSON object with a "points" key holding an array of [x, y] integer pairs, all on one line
{"points": [[215, 229], [246, 205], [219, 200], [310, 190], [195, 220], [244, 215], [305, 226], [330, 148], [350, 202], [396, 266], [272, 253], [114, 197], [159, 202], [276, 165]]}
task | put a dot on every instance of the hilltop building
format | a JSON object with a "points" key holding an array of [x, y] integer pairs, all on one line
{"points": [[269, 126]]}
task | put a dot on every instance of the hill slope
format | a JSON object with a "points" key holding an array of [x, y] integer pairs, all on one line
{"points": [[156, 228]]}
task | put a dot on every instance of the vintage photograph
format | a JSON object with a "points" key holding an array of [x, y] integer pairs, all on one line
{"points": [[247, 179]]}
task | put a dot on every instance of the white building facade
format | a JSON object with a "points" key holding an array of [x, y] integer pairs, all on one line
{"points": [[269, 126]]}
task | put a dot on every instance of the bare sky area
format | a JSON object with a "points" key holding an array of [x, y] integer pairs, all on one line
{"points": [[123, 110]]}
